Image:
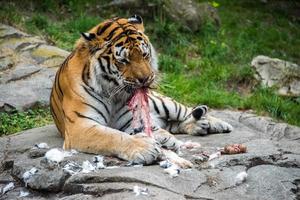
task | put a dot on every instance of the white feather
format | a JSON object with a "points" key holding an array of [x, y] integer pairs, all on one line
{"points": [[241, 177], [57, 155], [8, 187]]}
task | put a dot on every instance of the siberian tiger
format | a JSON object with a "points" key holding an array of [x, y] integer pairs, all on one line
{"points": [[92, 87]]}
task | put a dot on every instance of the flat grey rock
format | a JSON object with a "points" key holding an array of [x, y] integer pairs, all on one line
{"points": [[27, 69], [272, 162]]}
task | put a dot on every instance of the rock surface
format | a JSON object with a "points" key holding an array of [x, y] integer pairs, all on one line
{"points": [[27, 69], [189, 13], [279, 73], [272, 163]]}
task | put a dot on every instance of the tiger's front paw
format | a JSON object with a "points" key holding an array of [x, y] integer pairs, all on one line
{"points": [[175, 159], [141, 150], [218, 126]]}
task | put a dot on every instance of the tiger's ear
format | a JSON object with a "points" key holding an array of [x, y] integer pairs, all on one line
{"points": [[88, 36], [137, 21]]}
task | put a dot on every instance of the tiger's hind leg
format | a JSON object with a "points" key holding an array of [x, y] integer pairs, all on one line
{"points": [[177, 118], [198, 123]]}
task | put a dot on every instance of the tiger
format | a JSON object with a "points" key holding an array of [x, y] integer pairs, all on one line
{"points": [[92, 87]]}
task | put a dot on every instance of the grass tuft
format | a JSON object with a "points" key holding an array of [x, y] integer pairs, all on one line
{"points": [[12, 123]]}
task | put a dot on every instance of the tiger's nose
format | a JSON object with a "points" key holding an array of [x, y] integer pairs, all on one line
{"points": [[143, 80]]}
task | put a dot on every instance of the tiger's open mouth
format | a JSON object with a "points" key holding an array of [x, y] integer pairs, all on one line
{"points": [[132, 88]]}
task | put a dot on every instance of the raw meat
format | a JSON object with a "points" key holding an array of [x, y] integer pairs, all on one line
{"points": [[139, 105]]}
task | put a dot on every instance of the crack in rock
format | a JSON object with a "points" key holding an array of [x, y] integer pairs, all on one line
{"points": [[114, 179], [262, 160], [28, 46], [79, 186], [23, 76], [13, 35], [210, 181], [296, 190]]}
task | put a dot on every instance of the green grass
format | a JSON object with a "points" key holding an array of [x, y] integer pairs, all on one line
{"points": [[15, 122], [209, 67]]}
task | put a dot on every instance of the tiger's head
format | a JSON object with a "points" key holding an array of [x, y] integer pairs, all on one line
{"points": [[120, 54]]}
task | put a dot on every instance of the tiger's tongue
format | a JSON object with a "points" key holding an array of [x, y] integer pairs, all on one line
{"points": [[139, 106]]}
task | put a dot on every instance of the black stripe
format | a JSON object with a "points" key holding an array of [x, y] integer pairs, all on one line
{"points": [[93, 50], [119, 44], [76, 93], [86, 117], [102, 29], [101, 65], [85, 76], [165, 108], [118, 37], [53, 112], [126, 125], [154, 128], [205, 108], [109, 79], [179, 112], [119, 53], [90, 92], [68, 118], [58, 84], [171, 126], [125, 26], [119, 109], [184, 115], [175, 106], [107, 63], [97, 110], [112, 32], [124, 113], [165, 140], [55, 104], [109, 50], [154, 104], [64, 64], [55, 84]]}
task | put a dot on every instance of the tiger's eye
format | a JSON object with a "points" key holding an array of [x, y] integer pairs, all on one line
{"points": [[125, 61]]}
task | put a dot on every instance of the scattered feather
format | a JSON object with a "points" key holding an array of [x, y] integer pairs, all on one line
{"points": [[212, 165], [28, 174], [24, 193], [72, 168], [57, 155], [138, 166], [240, 178], [214, 155], [139, 190], [112, 167], [173, 171], [74, 151], [200, 157], [42, 145], [165, 164], [99, 162], [8, 187], [87, 167]]}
